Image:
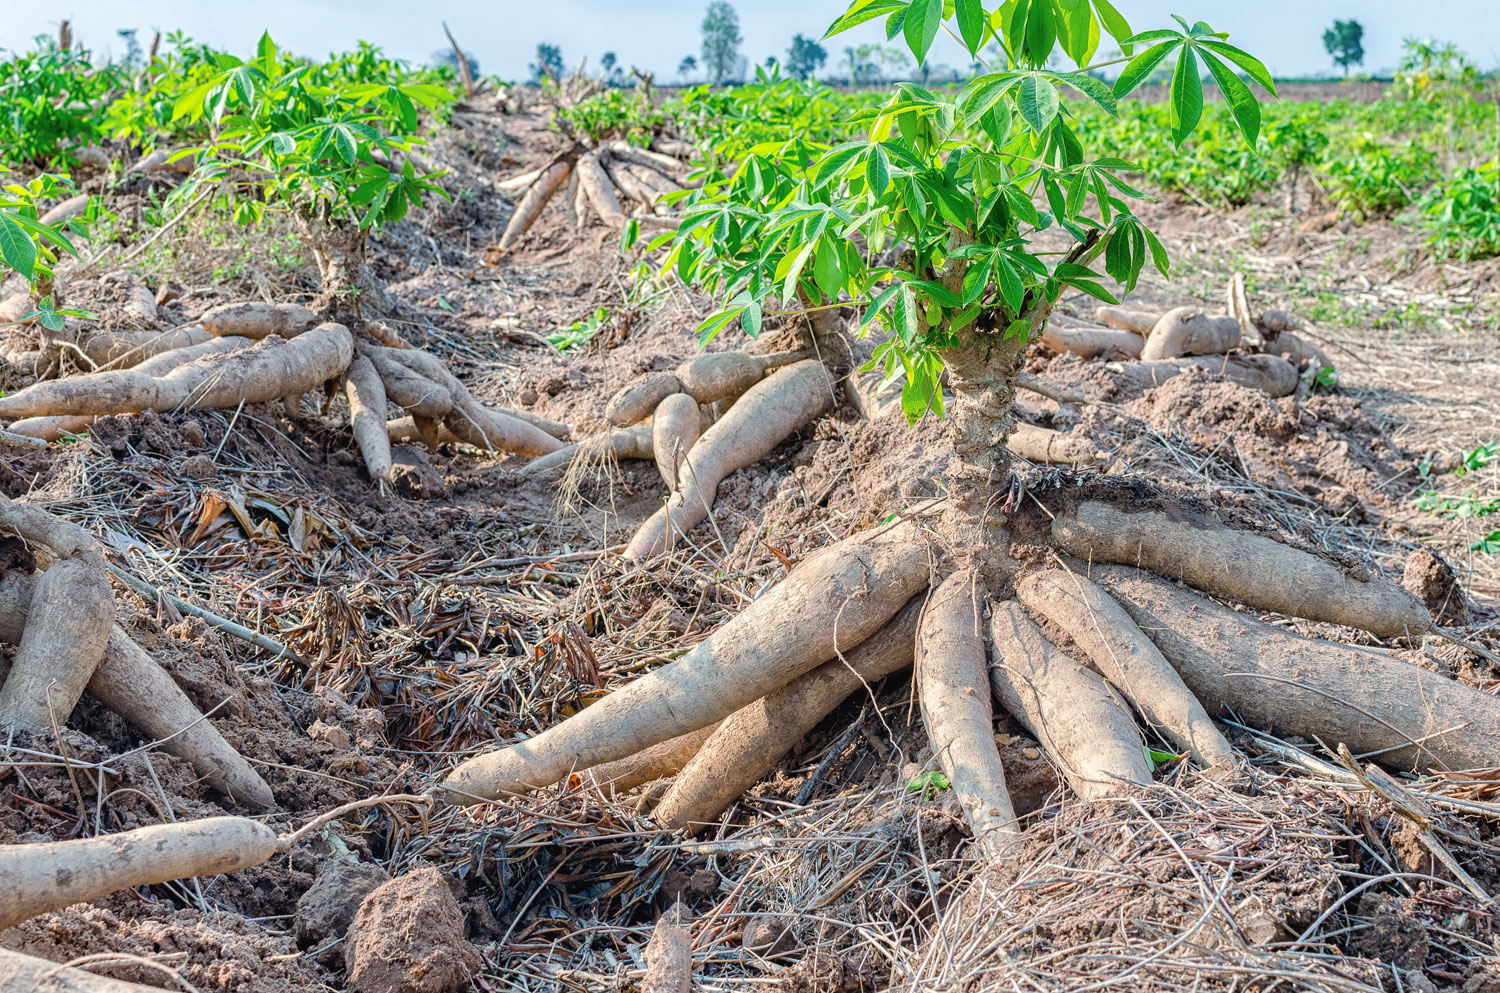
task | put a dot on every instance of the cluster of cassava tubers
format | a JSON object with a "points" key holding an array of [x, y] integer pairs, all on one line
{"points": [[595, 181], [1149, 347], [722, 716], [714, 414], [62, 620], [258, 352]]}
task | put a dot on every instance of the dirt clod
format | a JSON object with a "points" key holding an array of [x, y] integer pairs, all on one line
{"points": [[328, 907], [413, 476], [1436, 584], [408, 937]]}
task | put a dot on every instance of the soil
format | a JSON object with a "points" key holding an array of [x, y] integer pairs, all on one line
{"points": [[457, 610]]}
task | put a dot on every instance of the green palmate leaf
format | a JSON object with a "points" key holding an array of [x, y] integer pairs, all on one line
{"points": [[1116, 25], [1187, 95], [1242, 103], [984, 93], [1159, 257], [923, 18], [1140, 68], [1041, 31], [1252, 66], [828, 270], [1080, 31], [17, 248], [971, 22], [1037, 102], [861, 11], [878, 170]]}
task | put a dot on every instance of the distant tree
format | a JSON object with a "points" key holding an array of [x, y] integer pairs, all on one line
{"points": [[687, 66], [805, 57], [869, 64], [1345, 43], [721, 41], [613, 74], [133, 54], [548, 64], [445, 57]]}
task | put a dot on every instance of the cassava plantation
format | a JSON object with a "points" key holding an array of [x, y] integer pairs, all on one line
{"points": [[852, 524]]}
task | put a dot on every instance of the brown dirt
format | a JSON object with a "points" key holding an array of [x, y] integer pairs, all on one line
{"points": [[408, 937]]}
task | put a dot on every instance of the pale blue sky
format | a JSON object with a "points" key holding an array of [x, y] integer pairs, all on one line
{"points": [[503, 35]]}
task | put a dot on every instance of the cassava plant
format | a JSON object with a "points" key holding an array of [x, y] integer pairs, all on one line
{"points": [[339, 156], [959, 223]]}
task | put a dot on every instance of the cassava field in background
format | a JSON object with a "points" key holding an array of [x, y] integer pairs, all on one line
{"points": [[478, 534]]}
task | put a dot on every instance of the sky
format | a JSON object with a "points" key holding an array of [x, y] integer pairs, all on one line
{"points": [[503, 34]]}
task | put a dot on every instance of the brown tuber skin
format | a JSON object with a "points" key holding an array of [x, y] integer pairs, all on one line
{"points": [[366, 395], [753, 739], [58, 874], [130, 683], [752, 655], [951, 666], [25, 972], [1255, 570], [67, 629], [674, 430], [1086, 729], [762, 419], [1101, 629], [262, 371], [636, 401], [1267, 676], [1189, 331], [258, 320]]}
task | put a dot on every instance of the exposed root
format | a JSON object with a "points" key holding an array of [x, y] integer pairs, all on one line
{"points": [[131, 684], [674, 430], [1375, 703], [1270, 374], [762, 419], [665, 758], [1045, 446], [840, 596], [67, 627], [542, 189], [367, 402], [1128, 318], [1089, 343], [953, 687], [749, 743], [1189, 331], [1085, 728], [262, 371], [1105, 633], [1246, 567]]}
